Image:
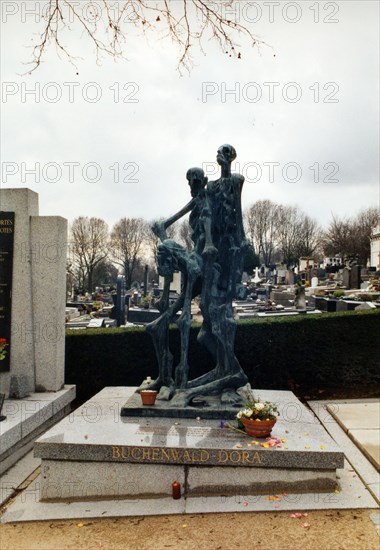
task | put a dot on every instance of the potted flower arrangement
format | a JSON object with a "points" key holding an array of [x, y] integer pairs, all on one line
{"points": [[257, 417], [148, 397]]}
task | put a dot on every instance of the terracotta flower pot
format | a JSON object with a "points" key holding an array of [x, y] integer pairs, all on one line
{"points": [[148, 397], [256, 428]]}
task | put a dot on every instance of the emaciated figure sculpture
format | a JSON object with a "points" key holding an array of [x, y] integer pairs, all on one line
{"points": [[213, 270]]}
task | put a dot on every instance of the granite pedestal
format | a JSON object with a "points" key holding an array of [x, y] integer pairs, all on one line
{"points": [[96, 453], [27, 418]]}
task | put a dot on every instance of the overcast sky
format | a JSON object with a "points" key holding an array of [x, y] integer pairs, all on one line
{"points": [[314, 143]]}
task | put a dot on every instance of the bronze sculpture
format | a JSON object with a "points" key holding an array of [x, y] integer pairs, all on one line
{"points": [[212, 270]]}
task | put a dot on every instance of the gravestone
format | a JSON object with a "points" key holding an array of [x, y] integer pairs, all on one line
{"points": [[314, 282], [289, 277], [299, 299], [326, 304], [281, 273], [257, 278], [146, 272], [355, 278], [347, 305], [321, 273], [346, 277], [120, 300], [34, 319]]}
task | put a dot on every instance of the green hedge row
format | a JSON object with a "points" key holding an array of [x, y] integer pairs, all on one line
{"points": [[328, 349]]}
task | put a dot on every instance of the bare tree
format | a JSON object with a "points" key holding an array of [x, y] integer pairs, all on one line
{"points": [[126, 244], [107, 25], [262, 222], [281, 231], [89, 246], [338, 238], [310, 237], [351, 237], [289, 232]]}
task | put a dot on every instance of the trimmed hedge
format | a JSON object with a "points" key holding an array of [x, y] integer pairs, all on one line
{"points": [[328, 349]]}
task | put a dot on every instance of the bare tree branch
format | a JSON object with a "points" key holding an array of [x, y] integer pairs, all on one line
{"points": [[185, 23]]}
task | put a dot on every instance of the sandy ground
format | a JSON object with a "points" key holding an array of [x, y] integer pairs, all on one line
{"points": [[324, 530]]}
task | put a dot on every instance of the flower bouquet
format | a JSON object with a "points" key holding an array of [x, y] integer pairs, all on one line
{"points": [[257, 418]]}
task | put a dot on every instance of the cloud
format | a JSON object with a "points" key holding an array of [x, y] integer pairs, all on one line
{"points": [[129, 131]]}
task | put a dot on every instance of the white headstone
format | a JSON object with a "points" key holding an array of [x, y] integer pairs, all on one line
{"points": [[314, 282], [256, 278]]}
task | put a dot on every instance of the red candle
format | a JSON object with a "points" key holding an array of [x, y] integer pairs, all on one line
{"points": [[176, 490]]}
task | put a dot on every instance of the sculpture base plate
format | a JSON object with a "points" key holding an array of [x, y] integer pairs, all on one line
{"points": [[208, 407]]}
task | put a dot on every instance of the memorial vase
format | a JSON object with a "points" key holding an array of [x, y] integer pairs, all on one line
{"points": [[258, 428]]}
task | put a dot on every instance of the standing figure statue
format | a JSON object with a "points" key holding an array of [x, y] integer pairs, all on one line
{"points": [[213, 270]]}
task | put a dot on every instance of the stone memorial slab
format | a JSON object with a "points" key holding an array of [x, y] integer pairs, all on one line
{"points": [[97, 453]]}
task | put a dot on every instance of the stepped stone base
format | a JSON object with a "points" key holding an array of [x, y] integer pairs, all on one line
{"points": [[27, 418], [96, 453]]}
